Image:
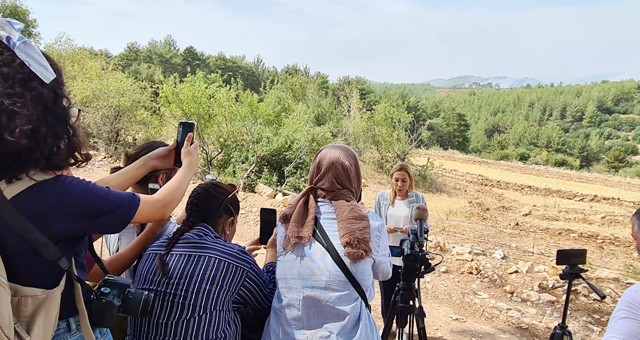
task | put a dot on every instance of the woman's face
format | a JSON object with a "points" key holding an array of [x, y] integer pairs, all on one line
{"points": [[400, 182]]}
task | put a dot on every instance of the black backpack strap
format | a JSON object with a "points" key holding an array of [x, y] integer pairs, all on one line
{"points": [[33, 236], [24, 228], [320, 235]]}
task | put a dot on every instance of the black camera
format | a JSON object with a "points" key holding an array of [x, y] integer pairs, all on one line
{"points": [[114, 296]]}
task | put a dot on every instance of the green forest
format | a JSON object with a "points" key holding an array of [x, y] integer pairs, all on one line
{"points": [[260, 123]]}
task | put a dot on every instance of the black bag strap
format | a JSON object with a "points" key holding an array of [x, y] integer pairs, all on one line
{"points": [[320, 235], [24, 228], [33, 236]]}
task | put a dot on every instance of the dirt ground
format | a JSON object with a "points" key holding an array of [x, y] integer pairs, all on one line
{"points": [[523, 213]]}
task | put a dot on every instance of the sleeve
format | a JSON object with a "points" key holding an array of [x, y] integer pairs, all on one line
{"points": [[380, 249], [625, 320], [96, 210], [377, 207], [258, 286]]}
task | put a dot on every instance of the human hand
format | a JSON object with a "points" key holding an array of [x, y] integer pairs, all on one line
{"points": [[405, 230], [161, 158], [391, 230], [189, 153], [273, 241], [253, 246]]}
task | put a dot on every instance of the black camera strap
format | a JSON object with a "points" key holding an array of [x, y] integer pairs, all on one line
{"points": [[96, 258], [320, 235]]}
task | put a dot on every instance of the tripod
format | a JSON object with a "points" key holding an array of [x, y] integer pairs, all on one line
{"points": [[406, 303], [570, 273]]}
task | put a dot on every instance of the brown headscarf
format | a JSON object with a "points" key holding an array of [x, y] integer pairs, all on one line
{"points": [[334, 175]]}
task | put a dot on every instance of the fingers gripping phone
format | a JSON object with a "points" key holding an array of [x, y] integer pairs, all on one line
{"points": [[267, 224], [184, 128]]}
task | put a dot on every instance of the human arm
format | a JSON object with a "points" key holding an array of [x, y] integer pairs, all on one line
{"points": [[122, 260], [160, 205], [258, 287], [161, 158], [380, 249], [625, 319]]}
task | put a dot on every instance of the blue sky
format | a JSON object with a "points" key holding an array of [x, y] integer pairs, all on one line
{"points": [[390, 40]]}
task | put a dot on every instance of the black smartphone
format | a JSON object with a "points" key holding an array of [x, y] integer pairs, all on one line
{"points": [[184, 128], [267, 224], [153, 188], [571, 257]]}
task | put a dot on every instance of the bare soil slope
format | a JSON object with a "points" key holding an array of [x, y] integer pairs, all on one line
{"points": [[524, 212]]}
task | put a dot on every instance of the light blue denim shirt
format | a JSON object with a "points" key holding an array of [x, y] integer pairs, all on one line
{"points": [[314, 300]]}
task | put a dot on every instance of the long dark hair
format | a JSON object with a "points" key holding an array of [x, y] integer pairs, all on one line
{"points": [[36, 132], [209, 203]]}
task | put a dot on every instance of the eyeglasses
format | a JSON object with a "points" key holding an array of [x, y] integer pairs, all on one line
{"points": [[74, 114], [234, 190]]}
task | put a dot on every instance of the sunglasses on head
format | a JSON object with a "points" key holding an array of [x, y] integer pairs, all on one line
{"points": [[234, 190]]}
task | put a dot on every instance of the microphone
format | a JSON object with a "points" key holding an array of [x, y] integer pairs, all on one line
{"points": [[421, 215]]}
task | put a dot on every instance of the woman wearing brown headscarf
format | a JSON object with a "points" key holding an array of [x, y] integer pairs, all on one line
{"points": [[314, 299]]}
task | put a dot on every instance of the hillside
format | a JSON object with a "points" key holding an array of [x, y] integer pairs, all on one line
{"points": [[474, 81], [526, 212]]}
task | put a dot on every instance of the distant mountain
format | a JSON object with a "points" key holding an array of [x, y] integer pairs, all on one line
{"points": [[473, 81]]}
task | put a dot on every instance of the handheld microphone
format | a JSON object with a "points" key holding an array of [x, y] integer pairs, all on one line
{"points": [[421, 215]]}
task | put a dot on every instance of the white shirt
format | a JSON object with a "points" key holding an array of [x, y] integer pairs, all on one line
{"points": [[314, 300], [115, 242], [398, 216], [625, 320]]}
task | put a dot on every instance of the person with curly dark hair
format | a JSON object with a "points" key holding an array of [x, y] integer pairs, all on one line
{"points": [[39, 140], [199, 279]]}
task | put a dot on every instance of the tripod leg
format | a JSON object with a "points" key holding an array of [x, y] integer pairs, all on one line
{"points": [[420, 324], [391, 315]]}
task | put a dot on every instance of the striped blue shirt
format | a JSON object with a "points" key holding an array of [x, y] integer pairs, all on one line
{"points": [[209, 279]]}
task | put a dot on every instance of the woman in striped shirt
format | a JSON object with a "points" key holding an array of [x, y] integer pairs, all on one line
{"points": [[198, 277]]}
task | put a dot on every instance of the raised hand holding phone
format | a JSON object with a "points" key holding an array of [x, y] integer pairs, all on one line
{"points": [[267, 224], [185, 127]]}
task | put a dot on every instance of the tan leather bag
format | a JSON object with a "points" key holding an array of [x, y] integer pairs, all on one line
{"points": [[28, 312]]}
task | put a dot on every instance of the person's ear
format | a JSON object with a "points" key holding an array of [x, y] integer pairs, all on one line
{"points": [[161, 179]]}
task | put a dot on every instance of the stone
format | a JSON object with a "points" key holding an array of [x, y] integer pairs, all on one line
{"points": [[509, 289], [540, 269], [530, 296], [513, 314], [265, 191], [499, 254], [444, 269], [459, 250], [546, 297], [472, 268], [456, 317], [512, 270], [524, 267], [502, 306], [481, 295]]}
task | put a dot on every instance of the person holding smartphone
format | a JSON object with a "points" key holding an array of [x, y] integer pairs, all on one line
{"points": [[199, 278], [41, 138], [136, 238], [395, 207]]}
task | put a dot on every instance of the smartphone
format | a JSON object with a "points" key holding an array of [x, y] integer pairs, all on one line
{"points": [[571, 257], [153, 188], [267, 224], [184, 128]]}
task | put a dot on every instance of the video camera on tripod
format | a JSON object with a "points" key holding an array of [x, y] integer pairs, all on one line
{"points": [[406, 304], [415, 263]]}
